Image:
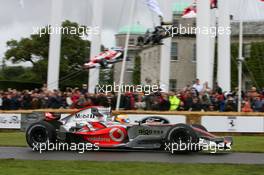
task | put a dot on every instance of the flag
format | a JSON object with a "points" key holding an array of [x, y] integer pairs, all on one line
{"points": [[213, 4], [154, 6], [191, 11]]}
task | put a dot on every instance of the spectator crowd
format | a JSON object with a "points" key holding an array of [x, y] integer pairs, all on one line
{"points": [[198, 97]]}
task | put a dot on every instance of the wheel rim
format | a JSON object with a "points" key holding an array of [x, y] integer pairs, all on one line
{"points": [[39, 135], [180, 135]]}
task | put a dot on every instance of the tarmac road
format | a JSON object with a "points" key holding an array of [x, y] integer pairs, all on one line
{"points": [[122, 155]]}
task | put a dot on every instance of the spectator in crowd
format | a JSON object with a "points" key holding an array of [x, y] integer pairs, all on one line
{"points": [[187, 99], [206, 87], [198, 86], [196, 105], [1, 100], [217, 88], [6, 102], [84, 89], [205, 100], [69, 101], [140, 103], [174, 101], [163, 102], [246, 106], [230, 104], [257, 104], [220, 101]]}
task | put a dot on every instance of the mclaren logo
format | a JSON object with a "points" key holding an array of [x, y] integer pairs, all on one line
{"points": [[84, 116], [116, 134]]}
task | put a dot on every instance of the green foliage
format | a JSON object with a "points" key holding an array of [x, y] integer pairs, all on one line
{"points": [[34, 49], [252, 66], [255, 64], [234, 65], [137, 71]]}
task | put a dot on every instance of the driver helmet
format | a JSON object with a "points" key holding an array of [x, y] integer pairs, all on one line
{"points": [[122, 119]]}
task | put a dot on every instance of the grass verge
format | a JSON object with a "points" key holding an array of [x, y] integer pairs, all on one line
{"points": [[20, 167], [241, 143]]}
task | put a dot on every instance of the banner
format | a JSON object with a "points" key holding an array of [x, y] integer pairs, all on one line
{"points": [[251, 124], [10, 121]]}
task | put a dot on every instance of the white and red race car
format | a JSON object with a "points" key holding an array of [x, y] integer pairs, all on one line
{"points": [[105, 59], [96, 125]]}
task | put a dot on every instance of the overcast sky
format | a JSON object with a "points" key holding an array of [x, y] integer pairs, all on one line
{"points": [[17, 20]]}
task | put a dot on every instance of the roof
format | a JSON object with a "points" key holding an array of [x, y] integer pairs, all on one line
{"points": [[134, 29]]}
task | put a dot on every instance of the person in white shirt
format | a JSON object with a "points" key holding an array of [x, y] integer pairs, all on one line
{"points": [[197, 85]]}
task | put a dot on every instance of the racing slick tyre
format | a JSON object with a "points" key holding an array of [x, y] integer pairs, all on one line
{"points": [[39, 134], [200, 127], [182, 138]]}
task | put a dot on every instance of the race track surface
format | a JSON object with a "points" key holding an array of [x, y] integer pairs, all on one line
{"points": [[121, 155]]}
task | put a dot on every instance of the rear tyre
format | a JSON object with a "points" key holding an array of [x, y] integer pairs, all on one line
{"points": [[39, 134], [182, 138]]}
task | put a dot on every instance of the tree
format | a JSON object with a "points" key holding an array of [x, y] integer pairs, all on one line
{"points": [[34, 49], [234, 65], [253, 66]]}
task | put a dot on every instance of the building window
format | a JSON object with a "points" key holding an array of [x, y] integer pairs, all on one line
{"points": [[246, 50], [131, 42], [194, 52], [174, 51], [173, 85]]}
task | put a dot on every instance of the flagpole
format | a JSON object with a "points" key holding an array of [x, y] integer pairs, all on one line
{"points": [[95, 49], [240, 60], [131, 15], [54, 46]]}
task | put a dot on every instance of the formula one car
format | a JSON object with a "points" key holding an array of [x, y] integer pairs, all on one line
{"points": [[153, 38], [95, 125], [105, 59]]}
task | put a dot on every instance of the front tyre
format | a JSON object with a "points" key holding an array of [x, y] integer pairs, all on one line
{"points": [[182, 138], [39, 134]]}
